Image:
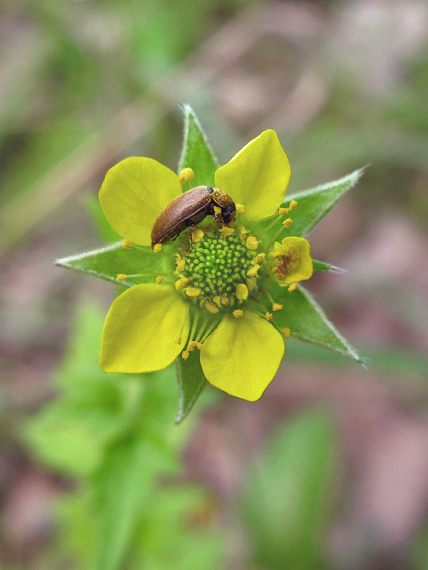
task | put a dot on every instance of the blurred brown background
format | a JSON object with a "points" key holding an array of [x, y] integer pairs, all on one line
{"points": [[84, 83]]}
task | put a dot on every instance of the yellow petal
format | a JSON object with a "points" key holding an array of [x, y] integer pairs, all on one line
{"points": [[141, 329], [304, 268], [242, 356], [133, 194], [257, 176]]}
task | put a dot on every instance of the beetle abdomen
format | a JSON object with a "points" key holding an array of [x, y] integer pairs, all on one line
{"points": [[186, 210]]}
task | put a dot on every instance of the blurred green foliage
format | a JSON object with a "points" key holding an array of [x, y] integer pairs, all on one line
{"points": [[289, 493], [115, 436]]}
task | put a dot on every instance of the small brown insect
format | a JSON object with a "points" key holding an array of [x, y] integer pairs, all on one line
{"points": [[189, 209]]}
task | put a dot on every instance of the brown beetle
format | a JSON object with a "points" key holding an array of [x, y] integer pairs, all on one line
{"points": [[189, 209]]}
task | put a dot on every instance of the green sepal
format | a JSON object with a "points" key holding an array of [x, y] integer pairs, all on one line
{"points": [[312, 206], [107, 262], [308, 322], [197, 153], [191, 382], [323, 266]]}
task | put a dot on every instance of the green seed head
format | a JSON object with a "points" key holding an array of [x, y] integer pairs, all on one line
{"points": [[217, 265]]}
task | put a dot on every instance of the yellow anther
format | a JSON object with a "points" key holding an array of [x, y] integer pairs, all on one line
{"points": [[178, 340], [287, 223], [292, 287], [224, 300], [226, 231], [283, 211], [191, 346], [197, 235], [185, 175], [276, 307], [252, 243], [181, 264], [199, 345], [121, 276], [242, 291], [211, 307], [253, 271], [180, 283], [127, 244], [286, 333], [238, 313], [193, 292], [242, 231], [157, 247], [217, 300], [261, 257], [293, 205], [185, 354], [268, 316], [240, 208], [159, 279]]}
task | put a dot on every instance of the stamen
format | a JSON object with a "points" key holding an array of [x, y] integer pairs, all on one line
{"points": [[127, 244], [185, 354], [293, 205], [185, 175], [253, 271], [252, 243], [240, 208], [197, 235], [292, 287], [225, 231], [276, 307], [287, 223], [159, 279], [157, 247], [121, 276], [180, 283], [242, 291], [211, 307], [283, 211], [286, 332], [268, 316], [181, 264], [178, 340], [261, 257], [238, 313], [193, 292], [224, 300]]}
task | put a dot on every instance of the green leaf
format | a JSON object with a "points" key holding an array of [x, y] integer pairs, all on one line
{"points": [[307, 321], [286, 504], [108, 262], [124, 484], [315, 203], [191, 382], [312, 206], [197, 153]]}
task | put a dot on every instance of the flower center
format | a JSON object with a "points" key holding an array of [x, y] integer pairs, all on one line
{"points": [[216, 271]]}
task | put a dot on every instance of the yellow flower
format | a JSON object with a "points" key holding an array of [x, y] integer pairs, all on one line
{"points": [[224, 292]]}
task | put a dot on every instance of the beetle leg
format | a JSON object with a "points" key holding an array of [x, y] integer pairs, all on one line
{"points": [[192, 227]]}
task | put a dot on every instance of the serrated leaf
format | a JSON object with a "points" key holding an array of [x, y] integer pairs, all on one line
{"points": [[108, 262], [307, 321], [313, 205], [191, 382], [197, 153]]}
